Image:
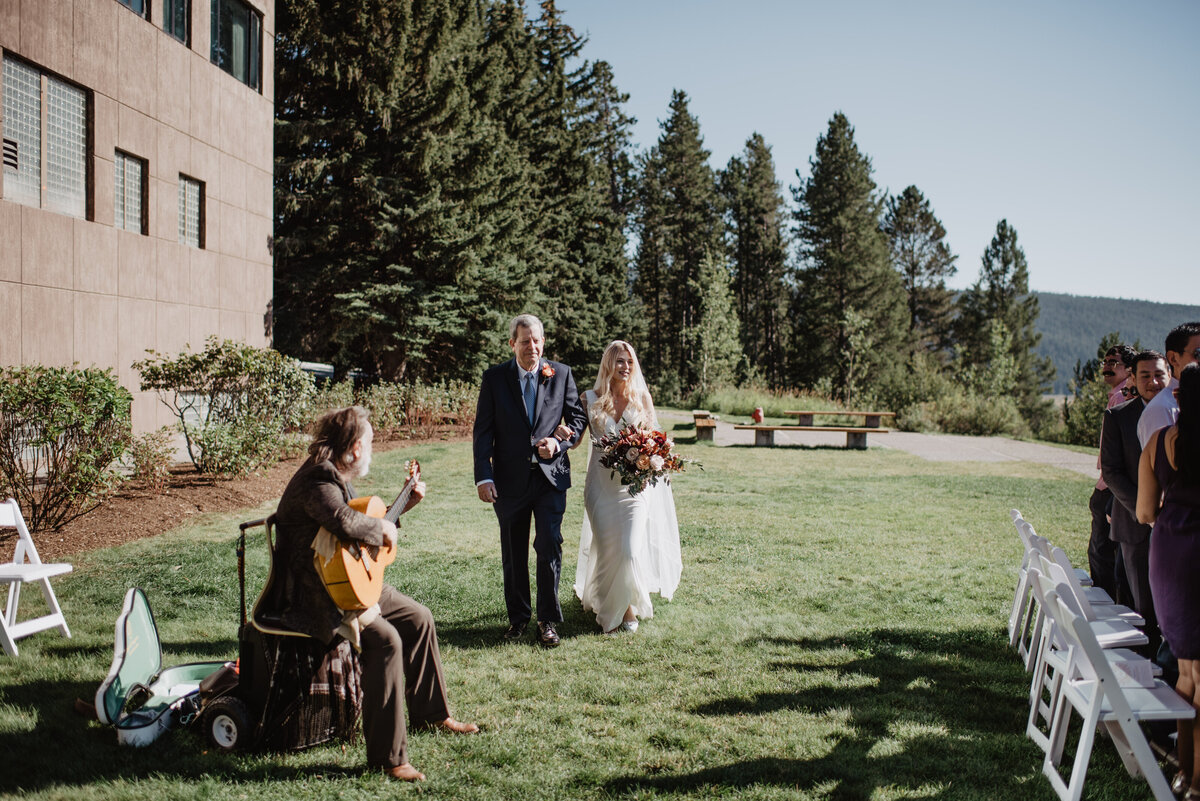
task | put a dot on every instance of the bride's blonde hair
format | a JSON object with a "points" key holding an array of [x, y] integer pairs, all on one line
{"points": [[640, 407]]}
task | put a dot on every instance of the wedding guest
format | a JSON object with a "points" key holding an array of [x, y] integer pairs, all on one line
{"points": [[1169, 498], [398, 643], [1182, 346], [1103, 552], [629, 545], [1119, 455]]}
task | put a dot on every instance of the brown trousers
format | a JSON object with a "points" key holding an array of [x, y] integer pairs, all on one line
{"points": [[400, 662]]}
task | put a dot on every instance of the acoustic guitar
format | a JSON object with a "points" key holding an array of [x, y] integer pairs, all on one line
{"points": [[354, 576]]}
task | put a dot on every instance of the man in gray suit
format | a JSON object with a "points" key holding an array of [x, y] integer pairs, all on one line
{"points": [[1120, 452]]}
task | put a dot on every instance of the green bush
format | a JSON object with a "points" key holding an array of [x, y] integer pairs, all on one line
{"points": [[61, 430], [1083, 415], [332, 396], [385, 402], [981, 415], [151, 454], [234, 402], [419, 410], [743, 400]]}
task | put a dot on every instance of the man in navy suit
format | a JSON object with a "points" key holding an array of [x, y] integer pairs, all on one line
{"points": [[523, 470], [1120, 453]]}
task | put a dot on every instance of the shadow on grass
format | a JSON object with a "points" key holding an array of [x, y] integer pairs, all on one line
{"points": [[934, 713], [63, 750], [484, 631]]}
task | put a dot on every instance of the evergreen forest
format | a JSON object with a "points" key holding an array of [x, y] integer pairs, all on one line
{"points": [[442, 165]]}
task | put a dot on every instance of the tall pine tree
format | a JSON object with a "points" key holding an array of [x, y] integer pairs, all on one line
{"points": [[1002, 294], [579, 146], [846, 269], [920, 254], [678, 225], [758, 248], [402, 203]]}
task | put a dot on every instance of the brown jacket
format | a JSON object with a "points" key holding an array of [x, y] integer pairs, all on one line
{"points": [[316, 496]]}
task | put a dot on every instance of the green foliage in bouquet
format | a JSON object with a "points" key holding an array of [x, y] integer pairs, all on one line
{"points": [[61, 430], [234, 402]]}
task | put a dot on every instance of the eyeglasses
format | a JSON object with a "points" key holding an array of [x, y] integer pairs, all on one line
{"points": [[1115, 362]]}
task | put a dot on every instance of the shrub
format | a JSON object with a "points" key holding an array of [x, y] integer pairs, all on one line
{"points": [[61, 430], [151, 454], [1083, 415], [234, 402], [386, 404], [981, 415], [743, 400], [332, 396]]}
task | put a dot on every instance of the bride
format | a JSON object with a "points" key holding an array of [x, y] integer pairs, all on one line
{"points": [[629, 546]]}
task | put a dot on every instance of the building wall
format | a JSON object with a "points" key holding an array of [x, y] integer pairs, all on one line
{"points": [[74, 290]]}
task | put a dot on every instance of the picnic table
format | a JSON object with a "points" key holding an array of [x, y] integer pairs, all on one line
{"points": [[870, 419], [706, 425], [856, 436]]}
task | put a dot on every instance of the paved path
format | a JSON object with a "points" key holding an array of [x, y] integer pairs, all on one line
{"points": [[934, 447]]}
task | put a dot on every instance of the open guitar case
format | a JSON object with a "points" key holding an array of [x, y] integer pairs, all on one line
{"points": [[286, 691], [138, 697]]}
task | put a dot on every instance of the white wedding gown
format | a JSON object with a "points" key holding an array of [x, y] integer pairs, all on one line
{"points": [[629, 546]]}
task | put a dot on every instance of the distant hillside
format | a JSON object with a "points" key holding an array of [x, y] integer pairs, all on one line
{"points": [[1072, 326]]}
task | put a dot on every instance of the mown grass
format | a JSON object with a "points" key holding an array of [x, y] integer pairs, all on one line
{"points": [[839, 634]]}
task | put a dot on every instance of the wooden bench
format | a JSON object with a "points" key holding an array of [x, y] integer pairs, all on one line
{"points": [[706, 426], [870, 419], [856, 436]]}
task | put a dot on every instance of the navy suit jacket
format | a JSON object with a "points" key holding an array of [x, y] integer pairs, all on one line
{"points": [[1120, 452], [503, 438]]}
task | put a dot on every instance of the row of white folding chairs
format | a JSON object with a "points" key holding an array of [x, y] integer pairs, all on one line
{"points": [[1026, 617], [1112, 688]]}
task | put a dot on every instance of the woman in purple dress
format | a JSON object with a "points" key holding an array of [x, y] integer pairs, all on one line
{"points": [[1169, 497]]}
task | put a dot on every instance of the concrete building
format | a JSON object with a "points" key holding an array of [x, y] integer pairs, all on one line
{"points": [[136, 192]]}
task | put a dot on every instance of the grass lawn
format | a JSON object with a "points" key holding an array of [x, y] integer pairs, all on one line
{"points": [[839, 633]]}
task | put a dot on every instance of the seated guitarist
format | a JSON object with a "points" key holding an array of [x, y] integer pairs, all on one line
{"points": [[399, 647]]}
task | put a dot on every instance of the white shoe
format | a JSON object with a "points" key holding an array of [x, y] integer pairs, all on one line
{"points": [[628, 625]]}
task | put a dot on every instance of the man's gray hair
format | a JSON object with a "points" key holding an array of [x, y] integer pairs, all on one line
{"points": [[525, 321]]}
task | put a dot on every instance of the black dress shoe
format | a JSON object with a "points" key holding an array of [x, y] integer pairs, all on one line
{"points": [[515, 631], [547, 636]]}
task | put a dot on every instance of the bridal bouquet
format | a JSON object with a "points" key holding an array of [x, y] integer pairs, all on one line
{"points": [[639, 457]]}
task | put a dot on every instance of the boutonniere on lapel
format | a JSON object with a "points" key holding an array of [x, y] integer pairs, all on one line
{"points": [[547, 372]]}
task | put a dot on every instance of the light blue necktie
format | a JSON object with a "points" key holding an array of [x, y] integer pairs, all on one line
{"points": [[530, 394]]}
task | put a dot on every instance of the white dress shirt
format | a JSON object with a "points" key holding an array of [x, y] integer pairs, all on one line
{"points": [[1160, 412]]}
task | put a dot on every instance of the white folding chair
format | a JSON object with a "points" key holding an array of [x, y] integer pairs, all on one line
{"points": [[1081, 575], [1090, 688], [1110, 632], [27, 568], [1022, 605], [1091, 609], [1053, 658]]}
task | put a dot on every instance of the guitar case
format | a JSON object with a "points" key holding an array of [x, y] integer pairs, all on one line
{"points": [[140, 699]]}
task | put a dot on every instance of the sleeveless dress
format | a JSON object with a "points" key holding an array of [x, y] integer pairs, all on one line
{"points": [[1175, 558], [629, 546]]}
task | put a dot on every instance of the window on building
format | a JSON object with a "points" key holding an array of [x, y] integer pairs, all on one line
{"points": [[237, 41], [176, 14], [129, 193], [45, 140], [140, 6], [191, 212]]}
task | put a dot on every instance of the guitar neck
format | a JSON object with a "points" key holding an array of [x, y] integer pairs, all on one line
{"points": [[397, 507]]}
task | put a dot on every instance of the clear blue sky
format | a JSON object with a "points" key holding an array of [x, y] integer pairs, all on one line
{"points": [[1078, 122]]}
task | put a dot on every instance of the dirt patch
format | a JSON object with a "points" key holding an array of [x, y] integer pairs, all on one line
{"points": [[134, 512]]}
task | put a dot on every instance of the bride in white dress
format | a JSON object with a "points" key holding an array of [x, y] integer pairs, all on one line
{"points": [[629, 546]]}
